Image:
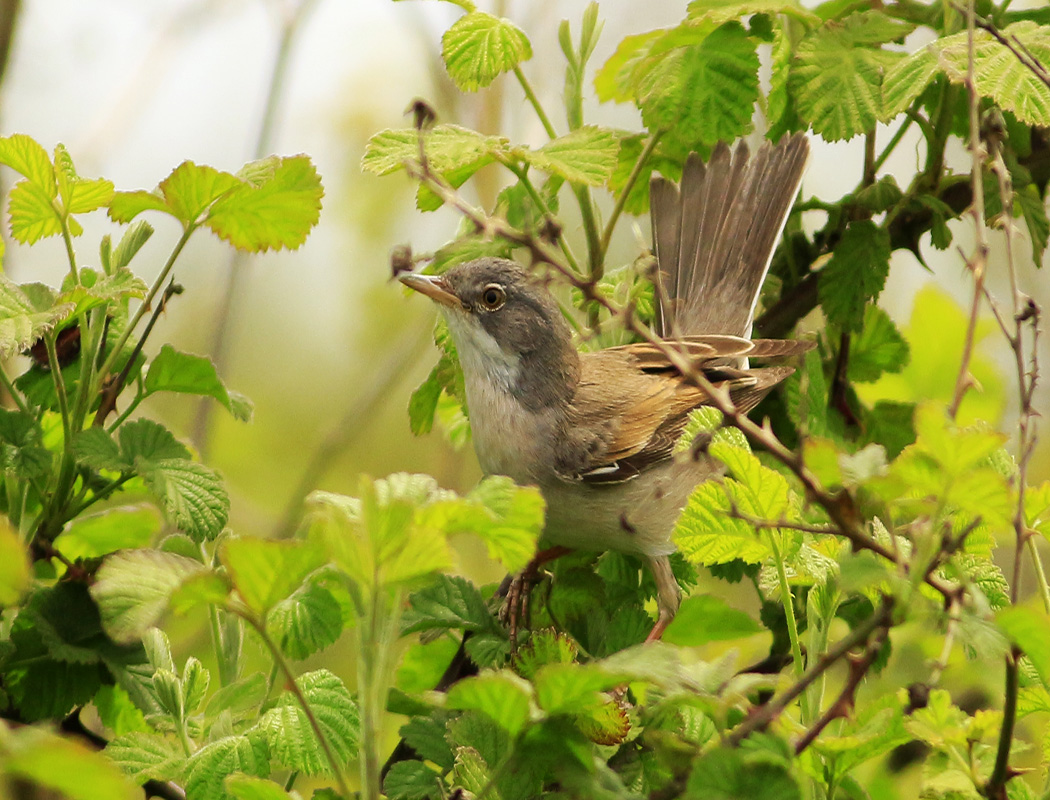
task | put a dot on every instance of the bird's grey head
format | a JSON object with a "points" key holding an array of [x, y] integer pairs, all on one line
{"points": [[507, 327]]}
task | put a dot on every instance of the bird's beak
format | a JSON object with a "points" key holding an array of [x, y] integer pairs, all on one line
{"points": [[433, 286]]}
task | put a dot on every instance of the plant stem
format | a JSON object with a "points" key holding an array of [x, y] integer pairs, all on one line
{"points": [[60, 386], [892, 144], [293, 686], [534, 101], [144, 306], [1037, 562], [632, 179], [376, 632], [523, 176], [16, 396], [789, 614]]}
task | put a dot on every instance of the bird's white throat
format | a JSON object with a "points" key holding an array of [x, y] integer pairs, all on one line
{"points": [[479, 353]]}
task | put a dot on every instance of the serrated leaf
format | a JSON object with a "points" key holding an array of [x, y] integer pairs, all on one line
{"points": [[502, 696], [702, 86], [471, 772], [738, 774], [29, 159], [705, 618], [448, 148], [706, 534], [478, 47], [998, 74], [452, 602], [855, 274], [190, 189], [33, 215], [585, 156], [89, 194], [276, 213], [544, 647], [207, 769], [515, 520], [837, 80], [412, 780], [146, 756], [265, 572], [306, 622], [426, 735], [132, 589], [906, 80], [175, 371], [130, 243], [25, 317], [96, 290], [878, 348], [192, 495], [148, 441], [125, 206], [291, 738], [615, 80]]}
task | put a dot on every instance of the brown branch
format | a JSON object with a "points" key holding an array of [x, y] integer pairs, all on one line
{"points": [[762, 716]]}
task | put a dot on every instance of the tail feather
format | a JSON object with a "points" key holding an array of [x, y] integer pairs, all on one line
{"points": [[714, 236]]}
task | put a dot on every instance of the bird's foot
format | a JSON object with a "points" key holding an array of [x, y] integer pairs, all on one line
{"points": [[516, 608]]}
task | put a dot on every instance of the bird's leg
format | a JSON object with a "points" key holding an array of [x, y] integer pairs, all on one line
{"points": [[668, 595], [517, 594]]}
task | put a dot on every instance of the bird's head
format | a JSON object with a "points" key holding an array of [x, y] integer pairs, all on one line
{"points": [[507, 328]]}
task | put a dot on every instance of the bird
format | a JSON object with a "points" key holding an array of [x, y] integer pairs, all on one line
{"points": [[596, 431]]}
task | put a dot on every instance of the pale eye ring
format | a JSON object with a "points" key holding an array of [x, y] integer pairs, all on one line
{"points": [[493, 296]]}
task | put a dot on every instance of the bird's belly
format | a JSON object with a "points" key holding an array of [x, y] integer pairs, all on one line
{"points": [[509, 439], [633, 517]]}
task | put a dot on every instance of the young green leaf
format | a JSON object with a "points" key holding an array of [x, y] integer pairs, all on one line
{"points": [[192, 495], [207, 769], [132, 589], [855, 274], [412, 780], [705, 618], [878, 348], [451, 603], [306, 622], [67, 768], [1026, 627], [190, 190], [248, 787], [502, 696], [585, 156], [146, 756], [174, 371], [291, 738], [276, 212], [26, 314], [33, 215], [265, 572], [478, 47], [706, 534], [130, 243], [427, 736], [120, 528], [22, 154], [906, 80], [450, 150]]}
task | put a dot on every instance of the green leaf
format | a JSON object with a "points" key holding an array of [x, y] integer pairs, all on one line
{"points": [[1026, 627], [190, 189], [448, 148], [544, 647], [705, 618], [291, 738], [125, 206], [723, 774], [878, 348], [502, 696], [249, 787], [192, 495], [452, 602], [26, 314], [906, 80], [132, 589], [14, 566], [837, 80], [998, 73], [143, 441], [478, 47], [855, 274], [514, 520], [701, 86], [277, 212], [806, 393], [33, 215], [306, 622], [96, 290], [121, 528], [412, 780], [725, 10], [22, 452], [174, 371], [130, 244], [585, 156], [426, 735], [89, 194], [69, 769], [265, 572], [706, 534], [22, 154], [616, 78], [207, 769], [146, 756]]}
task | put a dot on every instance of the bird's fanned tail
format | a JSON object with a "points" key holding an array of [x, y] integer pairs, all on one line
{"points": [[714, 236]]}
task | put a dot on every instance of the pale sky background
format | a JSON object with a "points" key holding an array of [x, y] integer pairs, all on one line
{"points": [[134, 88]]}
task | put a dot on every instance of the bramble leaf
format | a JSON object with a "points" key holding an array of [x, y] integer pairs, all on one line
{"points": [[448, 148], [175, 371], [190, 189], [412, 780], [26, 157], [878, 348], [26, 314], [855, 274], [452, 602], [502, 696], [207, 769], [705, 618], [33, 216], [146, 756], [265, 572], [192, 495], [587, 156], [478, 47], [306, 622]]}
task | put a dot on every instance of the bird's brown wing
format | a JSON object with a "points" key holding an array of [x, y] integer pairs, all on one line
{"points": [[614, 436]]}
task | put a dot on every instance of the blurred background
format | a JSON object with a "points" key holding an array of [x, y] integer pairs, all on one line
{"points": [[327, 347]]}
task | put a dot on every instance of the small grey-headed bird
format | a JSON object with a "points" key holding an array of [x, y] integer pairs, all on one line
{"points": [[596, 431]]}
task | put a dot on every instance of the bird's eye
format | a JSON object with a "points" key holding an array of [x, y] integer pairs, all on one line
{"points": [[493, 297]]}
